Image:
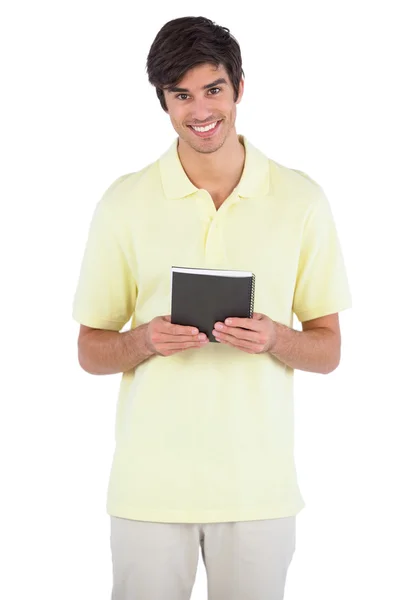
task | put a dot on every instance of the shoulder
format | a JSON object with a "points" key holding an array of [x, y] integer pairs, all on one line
{"points": [[124, 185], [295, 187], [289, 178], [124, 192]]}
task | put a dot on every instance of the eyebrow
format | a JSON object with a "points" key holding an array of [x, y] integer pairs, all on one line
{"points": [[205, 87]]}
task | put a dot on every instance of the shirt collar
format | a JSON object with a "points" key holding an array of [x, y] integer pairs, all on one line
{"points": [[253, 182]]}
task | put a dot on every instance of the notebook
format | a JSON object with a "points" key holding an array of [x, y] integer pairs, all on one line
{"points": [[201, 297]]}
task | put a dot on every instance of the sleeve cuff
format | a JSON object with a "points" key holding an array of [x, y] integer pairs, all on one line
{"points": [[97, 323], [322, 311]]}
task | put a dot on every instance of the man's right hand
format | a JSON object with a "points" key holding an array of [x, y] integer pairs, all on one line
{"points": [[165, 338]]}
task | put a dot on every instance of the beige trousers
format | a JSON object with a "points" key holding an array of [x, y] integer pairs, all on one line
{"points": [[244, 560]]}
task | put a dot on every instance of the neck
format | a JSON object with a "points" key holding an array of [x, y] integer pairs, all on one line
{"points": [[221, 169]]}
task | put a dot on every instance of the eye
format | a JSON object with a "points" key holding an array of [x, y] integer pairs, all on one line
{"points": [[179, 96]]}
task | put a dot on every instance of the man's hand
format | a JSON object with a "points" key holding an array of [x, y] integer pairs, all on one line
{"points": [[253, 336], [165, 338]]}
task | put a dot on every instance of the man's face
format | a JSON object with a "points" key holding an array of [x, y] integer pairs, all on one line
{"points": [[204, 96]]}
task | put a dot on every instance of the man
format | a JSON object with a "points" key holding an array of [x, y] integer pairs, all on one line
{"points": [[204, 431]]}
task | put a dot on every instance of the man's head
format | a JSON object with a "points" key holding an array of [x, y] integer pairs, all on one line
{"points": [[196, 68]]}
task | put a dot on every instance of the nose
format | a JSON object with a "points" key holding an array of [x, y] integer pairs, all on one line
{"points": [[201, 110]]}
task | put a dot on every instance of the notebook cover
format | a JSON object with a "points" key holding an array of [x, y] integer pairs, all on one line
{"points": [[202, 300]]}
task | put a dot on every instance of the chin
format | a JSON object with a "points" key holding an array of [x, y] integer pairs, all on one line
{"points": [[198, 145]]}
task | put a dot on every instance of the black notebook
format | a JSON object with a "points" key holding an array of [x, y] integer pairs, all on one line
{"points": [[201, 297]]}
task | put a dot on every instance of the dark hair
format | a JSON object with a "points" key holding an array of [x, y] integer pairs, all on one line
{"points": [[187, 42]]}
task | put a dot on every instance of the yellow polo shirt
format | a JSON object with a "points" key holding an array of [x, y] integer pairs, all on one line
{"points": [[206, 435]]}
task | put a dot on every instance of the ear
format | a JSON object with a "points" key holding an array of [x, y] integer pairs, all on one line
{"points": [[241, 90]]}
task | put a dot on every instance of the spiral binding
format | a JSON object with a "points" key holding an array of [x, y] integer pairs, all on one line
{"points": [[252, 292]]}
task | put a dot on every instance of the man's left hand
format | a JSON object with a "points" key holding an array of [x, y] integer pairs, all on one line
{"points": [[253, 336]]}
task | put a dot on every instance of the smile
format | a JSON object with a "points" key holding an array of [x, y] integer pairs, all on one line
{"points": [[206, 131]]}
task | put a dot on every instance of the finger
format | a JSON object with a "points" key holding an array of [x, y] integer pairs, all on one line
{"points": [[252, 324], [165, 338], [174, 329], [244, 345], [247, 342], [178, 346], [236, 332]]}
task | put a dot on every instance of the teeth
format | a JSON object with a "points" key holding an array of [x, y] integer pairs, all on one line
{"points": [[206, 128]]}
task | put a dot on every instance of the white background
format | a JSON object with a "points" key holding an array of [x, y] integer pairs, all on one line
{"points": [[78, 112]]}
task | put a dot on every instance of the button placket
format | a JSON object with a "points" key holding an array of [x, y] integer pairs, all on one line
{"points": [[214, 249]]}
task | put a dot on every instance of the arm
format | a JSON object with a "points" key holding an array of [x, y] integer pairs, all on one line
{"points": [[315, 349], [103, 352]]}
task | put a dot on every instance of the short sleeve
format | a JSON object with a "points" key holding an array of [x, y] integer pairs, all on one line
{"points": [[322, 286], [106, 291]]}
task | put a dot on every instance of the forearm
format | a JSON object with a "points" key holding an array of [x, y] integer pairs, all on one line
{"points": [[316, 350], [104, 352]]}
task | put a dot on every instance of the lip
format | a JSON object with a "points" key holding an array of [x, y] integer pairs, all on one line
{"points": [[206, 134]]}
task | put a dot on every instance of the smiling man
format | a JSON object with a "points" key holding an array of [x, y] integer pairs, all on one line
{"points": [[204, 431]]}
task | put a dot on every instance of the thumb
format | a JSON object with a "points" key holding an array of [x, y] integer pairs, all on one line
{"points": [[257, 316]]}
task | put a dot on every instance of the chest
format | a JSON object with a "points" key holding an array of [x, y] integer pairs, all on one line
{"points": [[251, 236]]}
